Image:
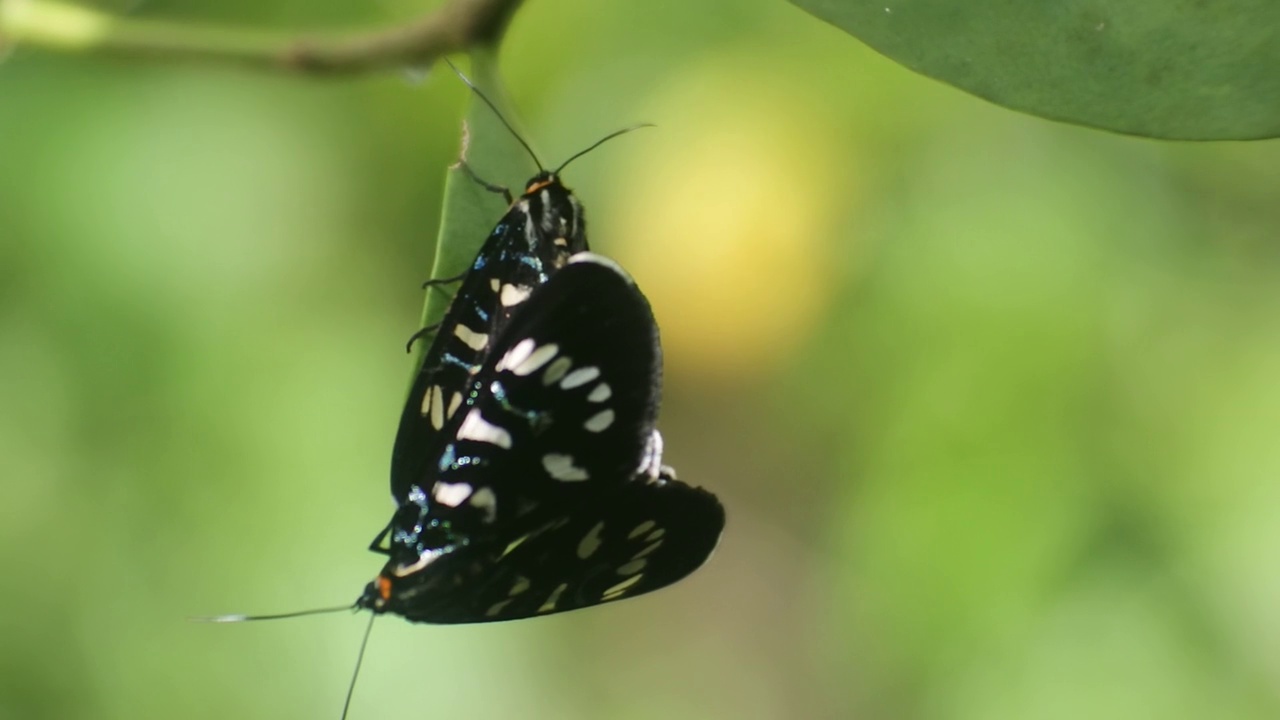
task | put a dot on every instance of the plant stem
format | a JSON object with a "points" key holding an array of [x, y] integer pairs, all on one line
{"points": [[458, 25]]}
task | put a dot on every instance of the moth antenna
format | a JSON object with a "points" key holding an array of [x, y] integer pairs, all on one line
{"points": [[494, 108], [600, 142], [281, 616], [359, 660]]}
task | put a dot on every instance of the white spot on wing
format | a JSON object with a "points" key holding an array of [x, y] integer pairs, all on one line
{"points": [[451, 494], [426, 402], [437, 407], [475, 427], [556, 370], [514, 294], [520, 585], [554, 598], [497, 607], [641, 529], [599, 422], [633, 567], [600, 393], [513, 545], [580, 377], [485, 500], [494, 284], [516, 355], [616, 591], [590, 542], [453, 404], [471, 338], [648, 549], [561, 467], [535, 360]]}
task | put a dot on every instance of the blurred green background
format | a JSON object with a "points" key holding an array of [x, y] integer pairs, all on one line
{"points": [[991, 401]]}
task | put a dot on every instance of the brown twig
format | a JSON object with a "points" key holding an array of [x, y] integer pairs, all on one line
{"points": [[458, 25]]}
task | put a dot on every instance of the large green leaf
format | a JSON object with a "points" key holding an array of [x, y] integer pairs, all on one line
{"points": [[1179, 69], [470, 211]]}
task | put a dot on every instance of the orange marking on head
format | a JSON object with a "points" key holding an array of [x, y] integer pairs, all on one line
{"points": [[384, 587], [536, 186]]}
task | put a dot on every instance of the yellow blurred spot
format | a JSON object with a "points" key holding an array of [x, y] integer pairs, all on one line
{"points": [[52, 23], [728, 224]]}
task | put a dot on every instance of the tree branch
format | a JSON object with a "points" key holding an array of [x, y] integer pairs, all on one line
{"points": [[457, 26]]}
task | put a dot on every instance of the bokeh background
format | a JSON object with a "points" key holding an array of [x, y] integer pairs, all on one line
{"points": [[992, 402]]}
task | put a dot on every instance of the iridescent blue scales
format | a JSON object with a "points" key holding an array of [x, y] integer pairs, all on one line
{"points": [[541, 489]]}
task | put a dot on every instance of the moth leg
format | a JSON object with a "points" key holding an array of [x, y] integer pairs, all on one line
{"points": [[408, 347], [376, 545], [438, 282], [504, 192]]}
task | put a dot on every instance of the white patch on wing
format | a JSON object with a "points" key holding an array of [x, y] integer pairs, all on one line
{"points": [[600, 393], [633, 567], [497, 607], [556, 370], [485, 500], [554, 598], [451, 494], [471, 338], [617, 591], [579, 377], [516, 354], [536, 359], [520, 585], [514, 294], [561, 467], [453, 404], [475, 427], [641, 529], [437, 407], [600, 421], [513, 545], [648, 549], [426, 402], [590, 542]]}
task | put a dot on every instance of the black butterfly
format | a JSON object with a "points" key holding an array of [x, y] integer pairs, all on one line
{"points": [[545, 490]]}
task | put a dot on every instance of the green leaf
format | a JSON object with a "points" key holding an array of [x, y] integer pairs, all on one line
{"points": [[1177, 69], [470, 211]]}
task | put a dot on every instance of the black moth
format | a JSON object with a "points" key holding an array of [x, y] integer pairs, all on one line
{"points": [[546, 491], [535, 238], [540, 231], [527, 469]]}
